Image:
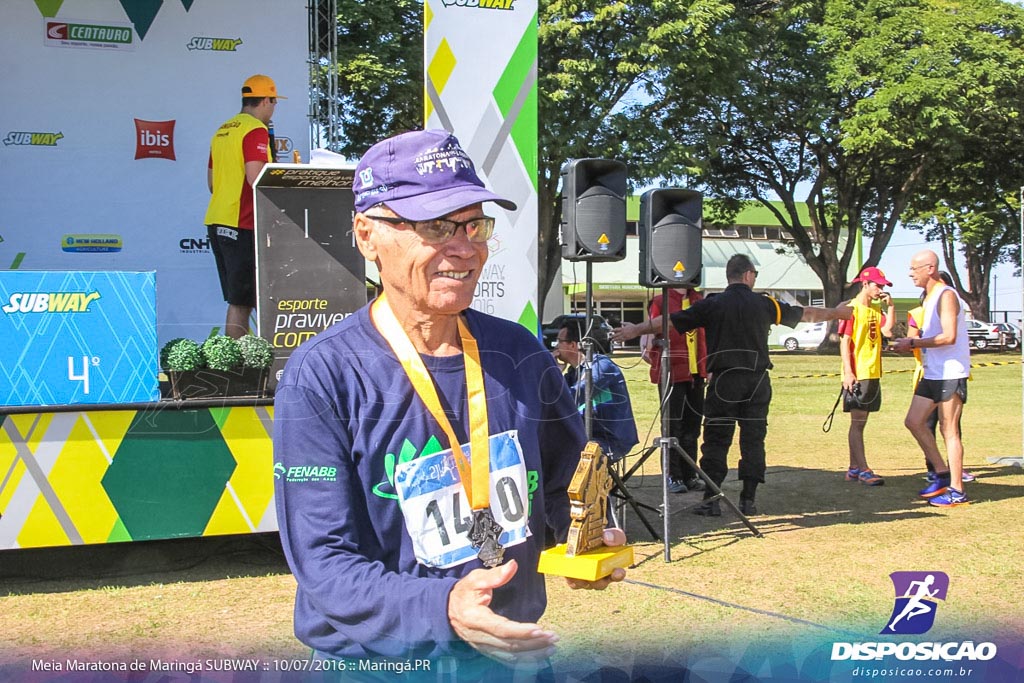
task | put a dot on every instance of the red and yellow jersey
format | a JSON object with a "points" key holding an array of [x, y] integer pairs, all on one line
{"points": [[864, 335], [240, 139]]}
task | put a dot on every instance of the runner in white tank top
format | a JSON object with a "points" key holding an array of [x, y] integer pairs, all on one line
{"points": [[944, 345]]}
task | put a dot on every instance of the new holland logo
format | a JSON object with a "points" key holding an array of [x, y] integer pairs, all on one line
{"points": [[95, 243], [214, 44], [50, 302], [154, 139], [36, 139], [107, 36]]}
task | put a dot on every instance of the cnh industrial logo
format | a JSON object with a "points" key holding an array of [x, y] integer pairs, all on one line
{"points": [[913, 613], [35, 139], [154, 139], [194, 245]]}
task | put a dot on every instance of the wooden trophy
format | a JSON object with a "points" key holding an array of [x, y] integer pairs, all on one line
{"points": [[585, 556]]}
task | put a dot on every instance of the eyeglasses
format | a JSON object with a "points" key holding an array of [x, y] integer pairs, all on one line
{"points": [[440, 230], [753, 271], [923, 265]]}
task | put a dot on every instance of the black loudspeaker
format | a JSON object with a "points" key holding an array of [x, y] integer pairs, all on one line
{"points": [[593, 210], [671, 222]]}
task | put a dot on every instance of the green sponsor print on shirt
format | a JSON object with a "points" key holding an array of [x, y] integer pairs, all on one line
{"points": [[385, 489]]}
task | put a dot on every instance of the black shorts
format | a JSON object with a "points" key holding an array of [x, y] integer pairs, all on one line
{"points": [[866, 396], [235, 253], [941, 390]]}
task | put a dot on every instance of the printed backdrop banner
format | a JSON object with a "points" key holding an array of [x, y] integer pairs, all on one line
{"points": [[109, 110], [481, 84], [77, 338]]}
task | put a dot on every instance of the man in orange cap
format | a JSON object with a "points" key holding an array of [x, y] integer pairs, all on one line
{"points": [[238, 151], [860, 346]]}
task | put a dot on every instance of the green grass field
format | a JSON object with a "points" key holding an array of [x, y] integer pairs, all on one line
{"points": [[820, 569]]}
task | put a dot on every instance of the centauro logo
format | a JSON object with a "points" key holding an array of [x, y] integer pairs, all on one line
{"points": [[50, 302], [108, 36], [305, 473], [37, 139], [57, 30], [484, 4], [214, 44]]}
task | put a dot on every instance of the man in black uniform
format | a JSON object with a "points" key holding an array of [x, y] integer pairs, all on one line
{"points": [[736, 324]]}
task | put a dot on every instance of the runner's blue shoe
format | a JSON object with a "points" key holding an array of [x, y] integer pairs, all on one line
{"points": [[937, 487], [951, 498]]}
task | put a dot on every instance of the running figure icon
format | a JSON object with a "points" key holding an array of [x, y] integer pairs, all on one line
{"points": [[917, 605]]}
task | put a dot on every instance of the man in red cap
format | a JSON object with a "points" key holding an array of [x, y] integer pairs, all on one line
{"points": [[239, 150], [860, 346]]}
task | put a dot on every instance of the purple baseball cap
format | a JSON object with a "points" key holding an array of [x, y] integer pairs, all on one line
{"points": [[420, 175]]}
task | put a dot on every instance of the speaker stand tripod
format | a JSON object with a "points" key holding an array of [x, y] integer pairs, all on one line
{"points": [[667, 444], [619, 491]]}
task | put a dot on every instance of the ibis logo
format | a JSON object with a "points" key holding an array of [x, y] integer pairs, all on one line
{"points": [[214, 44], [33, 139], [154, 139], [50, 302]]}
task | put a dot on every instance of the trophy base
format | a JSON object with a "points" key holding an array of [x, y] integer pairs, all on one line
{"points": [[589, 566]]}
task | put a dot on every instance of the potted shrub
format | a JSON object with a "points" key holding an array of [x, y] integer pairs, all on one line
{"points": [[220, 367]]}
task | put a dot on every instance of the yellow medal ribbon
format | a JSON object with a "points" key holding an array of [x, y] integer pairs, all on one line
{"points": [[475, 473]]}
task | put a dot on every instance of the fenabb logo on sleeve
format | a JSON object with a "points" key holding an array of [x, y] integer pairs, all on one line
{"points": [[305, 473], [154, 139]]}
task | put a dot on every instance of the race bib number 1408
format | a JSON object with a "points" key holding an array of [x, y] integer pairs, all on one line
{"points": [[437, 514]]}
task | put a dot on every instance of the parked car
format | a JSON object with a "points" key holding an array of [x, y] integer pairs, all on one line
{"points": [[1012, 334], [983, 335], [599, 333], [803, 336]]}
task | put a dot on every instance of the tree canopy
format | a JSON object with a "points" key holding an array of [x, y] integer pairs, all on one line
{"points": [[871, 112]]}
